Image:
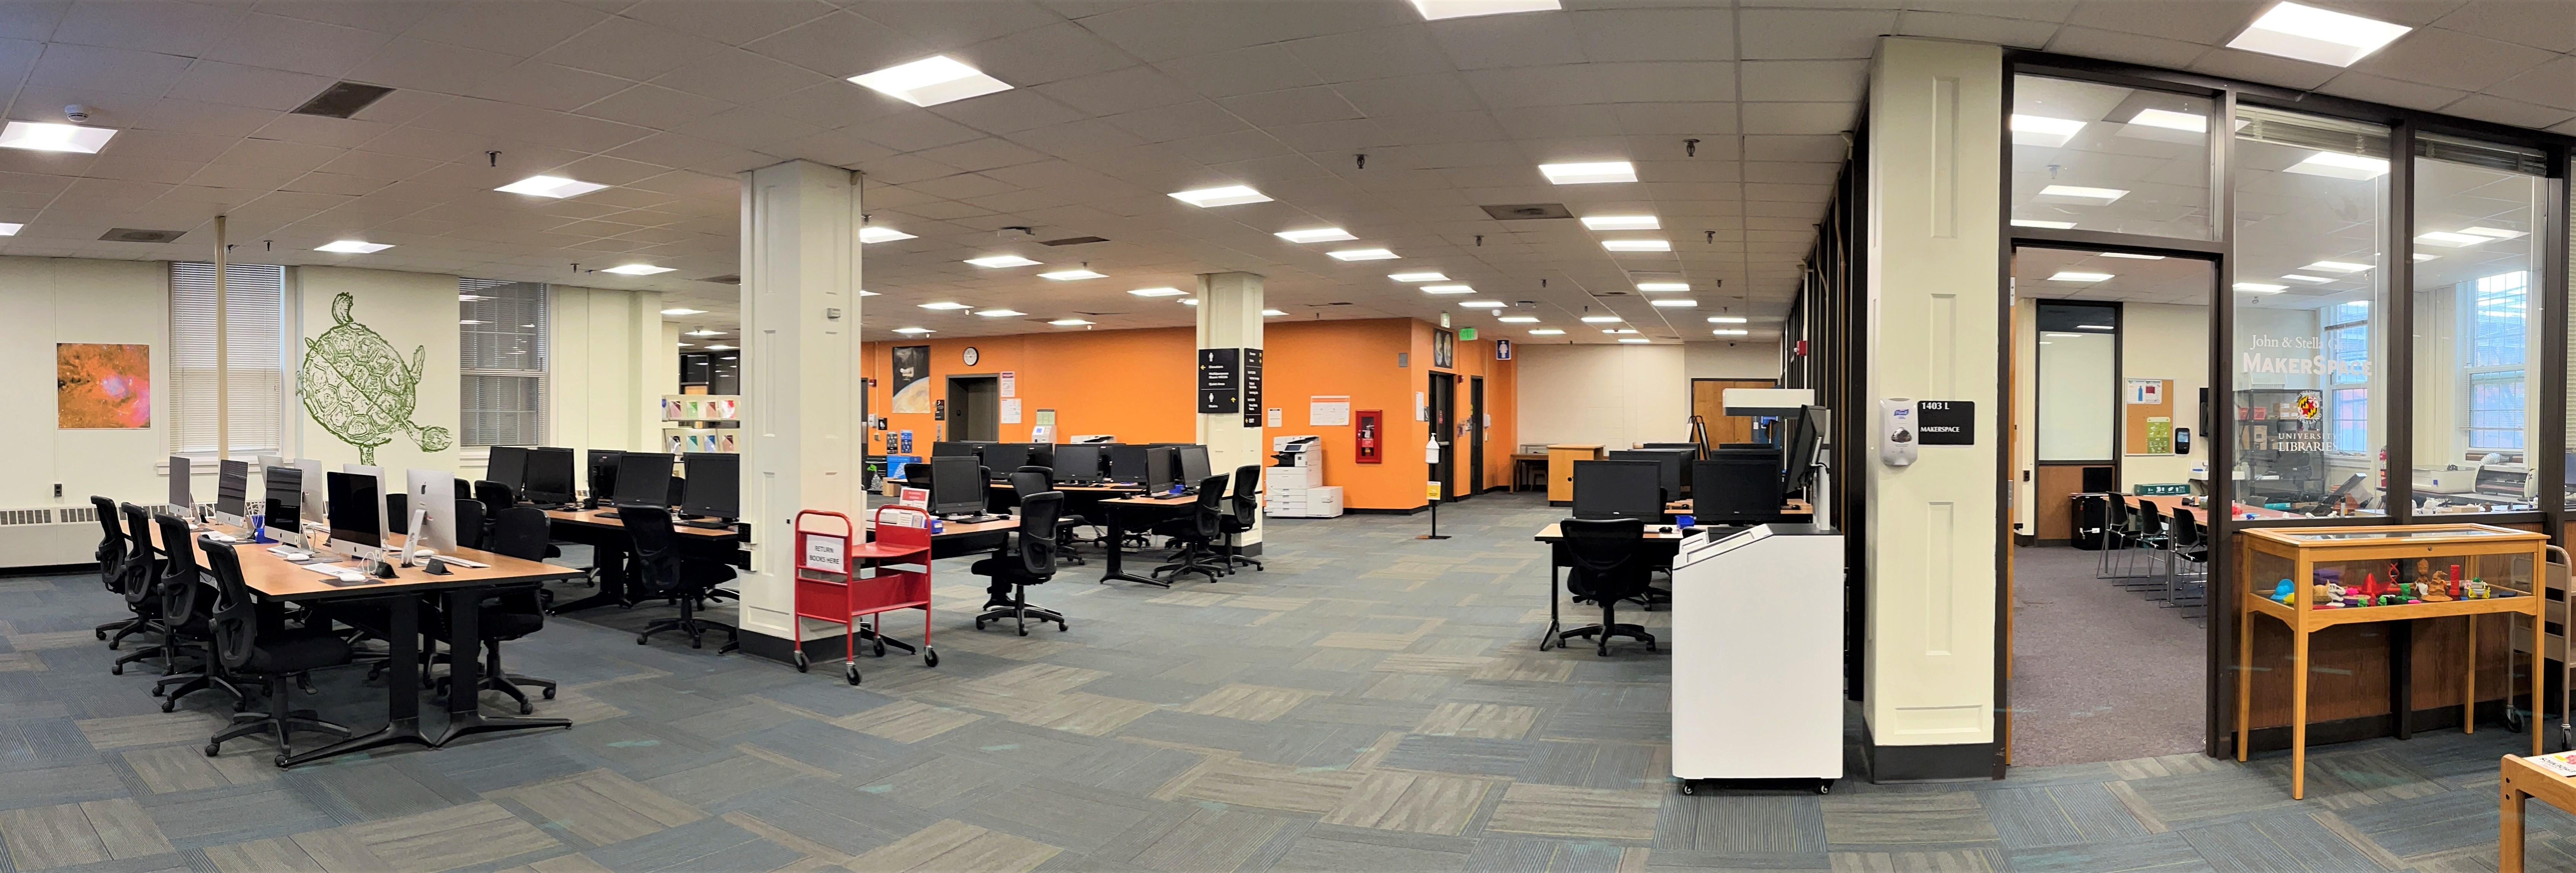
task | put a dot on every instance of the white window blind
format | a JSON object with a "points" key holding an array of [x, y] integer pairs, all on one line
{"points": [[254, 298], [502, 350]]}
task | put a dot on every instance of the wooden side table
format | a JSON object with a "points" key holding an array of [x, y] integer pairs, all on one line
{"points": [[2523, 779], [1560, 468], [2295, 553]]}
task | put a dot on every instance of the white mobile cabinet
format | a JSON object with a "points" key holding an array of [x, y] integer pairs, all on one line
{"points": [[1758, 655]]}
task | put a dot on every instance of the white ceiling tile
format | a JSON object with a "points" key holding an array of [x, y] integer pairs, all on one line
{"points": [[1294, 106], [839, 148], [1008, 112], [2268, 69], [31, 20], [982, 154], [1169, 30], [728, 23], [1516, 87], [674, 150], [2411, 13], [2208, 22], [1803, 34], [914, 130], [843, 104], [2411, 95], [124, 71], [2029, 10], [842, 45], [743, 78], [1497, 41], [1794, 148], [1242, 71], [748, 128], [2550, 84], [1089, 136], [2114, 46], [429, 66], [630, 49], [546, 86], [1680, 119], [1116, 91], [1227, 148], [382, 16], [1797, 118], [520, 27], [184, 116], [2539, 23], [652, 106], [294, 44], [2512, 112], [1181, 121], [1382, 53], [165, 28], [1656, 34], [2451, 59], [2017, 32], [1804, 80], [1411, 95], [1046, 54]]}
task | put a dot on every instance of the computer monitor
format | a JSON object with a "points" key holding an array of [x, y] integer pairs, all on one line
{"points": [[1798, 461], [951, 449], [602, 480], [1693, 448], [356, 514], [316, 497], [1127, 462], [643, 478], [1078, 463], [509, 466], [1737, 486], [1194, 464], [1668, 467], [1003, 459], [956, 485], [282, 501], [1042, 455], [549, 476], [715, 485], [182, 502], [1161, 469], [1619, 489], [232, 492], [433, 495]]}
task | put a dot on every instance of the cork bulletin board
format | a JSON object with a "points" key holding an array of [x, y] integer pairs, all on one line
{"points": [[2146, 417]]}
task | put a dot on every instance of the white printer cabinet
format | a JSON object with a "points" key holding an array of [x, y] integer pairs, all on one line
{"points": [[1757, 656]]}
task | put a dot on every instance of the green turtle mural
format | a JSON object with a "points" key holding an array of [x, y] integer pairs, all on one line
{"points": [[359, 389]]}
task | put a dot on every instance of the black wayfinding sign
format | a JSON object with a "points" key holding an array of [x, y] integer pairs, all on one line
{"points": [[1946, 422], [1251, 387], [1220, 381]]}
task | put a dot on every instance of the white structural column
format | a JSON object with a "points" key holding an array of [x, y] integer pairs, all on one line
{"points": [[1935, 310], [801, 388], [1230, 318]]}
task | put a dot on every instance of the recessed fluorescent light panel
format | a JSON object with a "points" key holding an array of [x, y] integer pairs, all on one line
{"points": [[931, 81], [1731, 331], [1448, 289], [867, 293], [352, 247], [1676, 302], [637, 270], [1363, 255], [1663, 286], [1635, 339], [11, 229], [1602, 319], [2336, 267], [2081, 194], [1623, 222], [2316, 35], [1589, 174], [1726, 319], [998, 313], [2337, 165], [2448, 239], [1637, 245], [1315, 235], [2312, 280], [1434, 10], [2043, 131], [2493, 232], [2171, 120], [1068, 322], [556, 187], [2044, 225], [43, 137], [678, 311], [1272, 313], [1229, 195], [995, 262], [913, 331], [704, 332], [1417, 277], [720, 347], [1547, 331], [1072, 275], [1158, 292], [2079, 276], [2133, 257], [1518, 319], [1621, 330], [881, 234], [1481, 304], [2260, 288], [1189, 301], [947, 304], [2420, 258]]}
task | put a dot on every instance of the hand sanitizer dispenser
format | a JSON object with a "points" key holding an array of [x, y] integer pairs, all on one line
{"points": [[1897, 435]]}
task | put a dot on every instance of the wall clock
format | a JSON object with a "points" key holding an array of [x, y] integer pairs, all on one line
{"points": [[971, 356]]}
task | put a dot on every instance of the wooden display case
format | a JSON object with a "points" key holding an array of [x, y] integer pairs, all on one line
{"points": [[2508, 562]]}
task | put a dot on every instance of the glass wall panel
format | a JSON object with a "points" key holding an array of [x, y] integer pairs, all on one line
{"points": [[2482, 219], [2107, 158], [2309, 405], [2079, 381]]}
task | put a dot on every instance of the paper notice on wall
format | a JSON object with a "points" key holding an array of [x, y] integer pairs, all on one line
{"points": [[1010, 384], [2146, 392], [1010, 410], [1274, 417], [1421, 407], [1328, 410]]}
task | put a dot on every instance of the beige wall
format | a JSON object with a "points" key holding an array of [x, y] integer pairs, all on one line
{"points": [[44, 301], [1725, 360], [608, 366], [416, 313], [1614, 395], [2166, 342], [2025, 451]]}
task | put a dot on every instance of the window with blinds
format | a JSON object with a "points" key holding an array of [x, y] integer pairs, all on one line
{"points": [[502, 350], [254, 310]]}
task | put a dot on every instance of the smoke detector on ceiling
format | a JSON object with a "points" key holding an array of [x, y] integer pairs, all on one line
{"points": [[1016, 234]]}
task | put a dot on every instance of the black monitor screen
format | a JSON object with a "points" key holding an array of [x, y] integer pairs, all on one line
{"points": [[1619, 489], [179, 496], [1736, 485], [1003, 459], [956, 485], [354, 509], [1798, 463], [232, 488], [603, 474], [644, 478], [1126, 462], [1668, 466], [509, 466], [1080, 463], [1194, 464], [715, 484], [1161, 470], [549, 476], [952, 449], [283, 498]]}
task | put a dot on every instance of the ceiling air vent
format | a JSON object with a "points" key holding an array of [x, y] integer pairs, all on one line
{"points": [[343, 99], [1527, 211], [1075, 240], [726, 279], [128, 234]]}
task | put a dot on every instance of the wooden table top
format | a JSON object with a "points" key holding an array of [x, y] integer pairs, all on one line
{"points": [[1070, 489], [2166, 503], [275, 577], [1155, 500], [592, 517], [1552, 533], [1793, 507]]}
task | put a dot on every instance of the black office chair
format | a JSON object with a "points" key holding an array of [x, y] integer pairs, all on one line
{"points": [[1196, 531], [188, 610], [662, 570], [142, 587], [1609, 566], [509, 613], [469, 523], [1031, 563], [1029, 481], [113, 555], [495, 497], [242, 651], [398, 513], [1242, 514], [916, 475]]}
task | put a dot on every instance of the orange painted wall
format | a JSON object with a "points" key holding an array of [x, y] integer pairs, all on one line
{"points": [[1138, 385]]}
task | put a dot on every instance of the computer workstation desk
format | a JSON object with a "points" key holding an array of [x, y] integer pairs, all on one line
{"points": [[1662, 542], [1116, 511], [609, 542], [276, 579]]}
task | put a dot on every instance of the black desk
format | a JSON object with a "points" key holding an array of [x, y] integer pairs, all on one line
{"points": [[1116, 510], [952, 541], [1662, 543], [609, 543]]}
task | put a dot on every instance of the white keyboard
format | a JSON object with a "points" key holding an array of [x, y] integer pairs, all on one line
{"points": [[343, 574], [289, 554], [223, 537]]}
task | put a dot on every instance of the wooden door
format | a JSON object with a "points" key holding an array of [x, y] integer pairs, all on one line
{"points": [[1708, 401]]}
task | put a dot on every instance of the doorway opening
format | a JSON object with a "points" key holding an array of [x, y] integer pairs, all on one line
{"points": [[1708, 409], [2107, 642], [975, 408], [1475, 431], [1441, 407]]}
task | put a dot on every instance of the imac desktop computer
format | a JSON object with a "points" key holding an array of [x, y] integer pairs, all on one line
{"points": [[232, 493], [284, 506], [183, 502], [356, 515]]}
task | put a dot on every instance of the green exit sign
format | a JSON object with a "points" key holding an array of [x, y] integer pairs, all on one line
{"points": [[1466, 333]]}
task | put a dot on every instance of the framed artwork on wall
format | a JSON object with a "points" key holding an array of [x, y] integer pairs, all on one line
{"points": [[102, 386]]}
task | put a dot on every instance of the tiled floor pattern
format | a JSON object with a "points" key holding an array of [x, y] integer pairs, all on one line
{"points": [[1370, 703]]}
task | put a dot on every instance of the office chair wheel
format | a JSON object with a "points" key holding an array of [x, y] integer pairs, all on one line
{"points": [[549, 693], [102, 633], [169, 704], [929, 657], [116, 669], [639, 640], [801, 662], [281, 761], [1687, 789], [1825, 786], [212, 749], [850, 671]]}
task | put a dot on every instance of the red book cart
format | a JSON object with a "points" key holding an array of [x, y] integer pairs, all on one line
{"points": [[828, 587]]}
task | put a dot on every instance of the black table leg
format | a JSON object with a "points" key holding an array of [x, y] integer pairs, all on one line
{"points": [[402, 688], [1548, 639], [611, 561], [464, 674], [1117, 545], [2401, 677]]}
